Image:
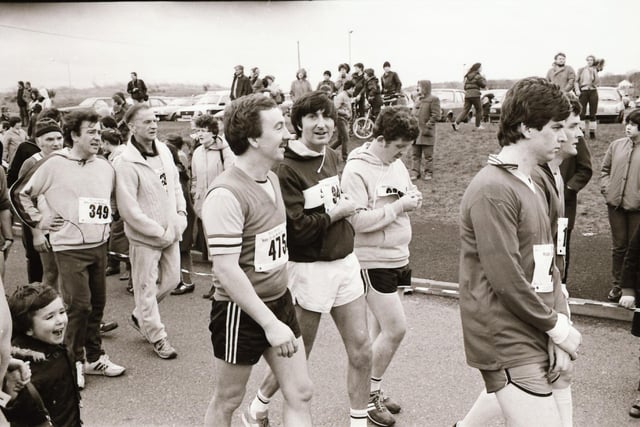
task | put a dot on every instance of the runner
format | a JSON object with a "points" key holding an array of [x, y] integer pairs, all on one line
{"points": [[381, 188], [252, 314], [514, 314], [324, 273]]}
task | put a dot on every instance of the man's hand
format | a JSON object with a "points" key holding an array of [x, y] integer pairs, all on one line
{"points": [[40, 242], [571, 343], [280, 335], [627, 302], [559, 360], [51, 223], [344, 208], [6, 245], [17, 377], [410, 201]]}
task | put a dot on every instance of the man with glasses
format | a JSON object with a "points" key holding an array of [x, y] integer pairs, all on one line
{"points": [[77, 186], [151, 203]]}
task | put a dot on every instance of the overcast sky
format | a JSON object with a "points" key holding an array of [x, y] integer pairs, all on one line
{"points": [[51, 44]]}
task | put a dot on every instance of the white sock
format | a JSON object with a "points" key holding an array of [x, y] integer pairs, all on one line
{"points": [[564, 402], [375, 384], [358, 417], [260, 403]]}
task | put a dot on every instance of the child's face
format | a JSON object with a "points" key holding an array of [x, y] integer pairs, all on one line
{"points": [[49, 323]]}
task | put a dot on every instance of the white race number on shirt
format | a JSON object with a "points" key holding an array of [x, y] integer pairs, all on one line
{"points": [[271, 248], [542, 258], [94, 210]]}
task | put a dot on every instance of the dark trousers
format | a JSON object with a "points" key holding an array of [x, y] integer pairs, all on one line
{"points": [[468, 103], [34, 264], [24, 115], [623, 225], [589, 97], [83, 283], [342, 125]]}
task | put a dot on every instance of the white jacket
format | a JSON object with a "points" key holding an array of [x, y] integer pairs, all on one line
{"points": [[206, 164]]}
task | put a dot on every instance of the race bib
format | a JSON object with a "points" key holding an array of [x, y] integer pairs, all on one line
{"points": [[271, 249], [162, 176], [326, 192], [542, 257], [561, 243], [93, 210]]}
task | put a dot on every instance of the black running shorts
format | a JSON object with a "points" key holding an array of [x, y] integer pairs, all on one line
{"points": [[386, 280]]}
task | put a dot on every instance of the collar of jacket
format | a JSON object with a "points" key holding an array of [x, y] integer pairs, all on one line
{"points": [[142, 151]]}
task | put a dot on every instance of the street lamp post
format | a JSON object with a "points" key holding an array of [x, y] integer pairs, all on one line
{"points": [[298, 43], [350, 31]]}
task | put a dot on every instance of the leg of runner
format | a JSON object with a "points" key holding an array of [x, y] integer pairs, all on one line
{"points": [[231, 381], [485, 409], [520, 408], [293, 376]]}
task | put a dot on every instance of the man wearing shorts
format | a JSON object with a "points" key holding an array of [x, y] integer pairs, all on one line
{"points": [[380, 186], [324, 273], [252, 313], [513, 311]]}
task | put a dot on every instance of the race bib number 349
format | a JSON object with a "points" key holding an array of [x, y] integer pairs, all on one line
{"points": [[93, 210], [271, 249]]}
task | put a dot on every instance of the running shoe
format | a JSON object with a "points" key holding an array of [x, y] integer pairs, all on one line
{"points": [[164, 350], [614, 294], [103, 366], [455, 126], [377, 412], [261, 419], [108, 327], [393, 406]]}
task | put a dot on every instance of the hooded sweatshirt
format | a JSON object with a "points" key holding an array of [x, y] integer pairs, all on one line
{"points": [[382, 236], [206, 164], [310, 188], [80, 191], [428, 114]]}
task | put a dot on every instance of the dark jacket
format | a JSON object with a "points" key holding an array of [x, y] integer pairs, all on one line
{"points": [[576, 172], [137, 89], [428, 114], [391, 83], [240, 86], [359, 84], [473, 82], [310, 234], [20, 97], [55, 380], [23, 152], [372, 88]]}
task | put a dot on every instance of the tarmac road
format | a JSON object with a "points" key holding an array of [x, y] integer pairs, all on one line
{"points": [[429, 375]]}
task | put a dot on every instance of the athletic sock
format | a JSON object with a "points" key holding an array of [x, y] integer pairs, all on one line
{"points": [[260, 403], [375, 384], [564, 402], [358, 417]]}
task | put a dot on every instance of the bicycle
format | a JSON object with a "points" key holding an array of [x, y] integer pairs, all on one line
{"points": [[363, 126]]}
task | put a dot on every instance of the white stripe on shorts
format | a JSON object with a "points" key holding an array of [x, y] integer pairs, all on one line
{"points": [[231, 332], [364, 274]]}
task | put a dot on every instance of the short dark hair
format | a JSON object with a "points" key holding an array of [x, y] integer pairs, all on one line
{"points": [[51, 113], [344, 66], [576, 107], [5, 125], [134, 73], [13, 120], [25, 301], [359, 65], [73, 121], [386, 64], [634, 117], [242, 120], [109, 122], [532, 101], [396, 122], [327, 73], [208, 122], [133, 111], [348, 85], [112, 136], [559, 54], [311, 102]]}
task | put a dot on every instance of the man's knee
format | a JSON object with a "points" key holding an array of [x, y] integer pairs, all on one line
{"points": [[359, 351], [300, 392], [228, 399]]}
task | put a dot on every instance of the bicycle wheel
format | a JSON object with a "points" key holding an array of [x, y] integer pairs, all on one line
{"points": [[363, 128]]}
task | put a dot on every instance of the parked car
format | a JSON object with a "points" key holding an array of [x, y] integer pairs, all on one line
{"points": [[102, 104], [209, 103], [451, 103], [610, 105], [496, 103], [169, 111]]}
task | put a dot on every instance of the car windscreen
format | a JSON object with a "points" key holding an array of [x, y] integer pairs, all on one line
{"points": [[608, 95], [445, 96]]}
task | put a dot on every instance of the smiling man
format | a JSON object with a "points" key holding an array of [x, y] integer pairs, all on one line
{"points": [[77, 186], [514, 314], [151, 203], [252, 313]]}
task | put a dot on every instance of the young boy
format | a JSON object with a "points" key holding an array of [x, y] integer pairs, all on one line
{"points": [[522, 294], [39, 323], [342, 102], [379, 184]]}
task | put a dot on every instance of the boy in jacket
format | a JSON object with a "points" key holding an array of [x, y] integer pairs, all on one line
{"points": [[513, 311], [423, 147]]}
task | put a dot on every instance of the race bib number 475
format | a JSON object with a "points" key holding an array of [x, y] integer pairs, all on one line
{"points": [[271, 249], [92, 210]]}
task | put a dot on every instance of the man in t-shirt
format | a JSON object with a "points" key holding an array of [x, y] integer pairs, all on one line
{"points": [[252, 313]]}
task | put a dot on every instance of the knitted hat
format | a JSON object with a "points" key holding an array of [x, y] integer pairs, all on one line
{"points": [[386, 64], [46, 126]]}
